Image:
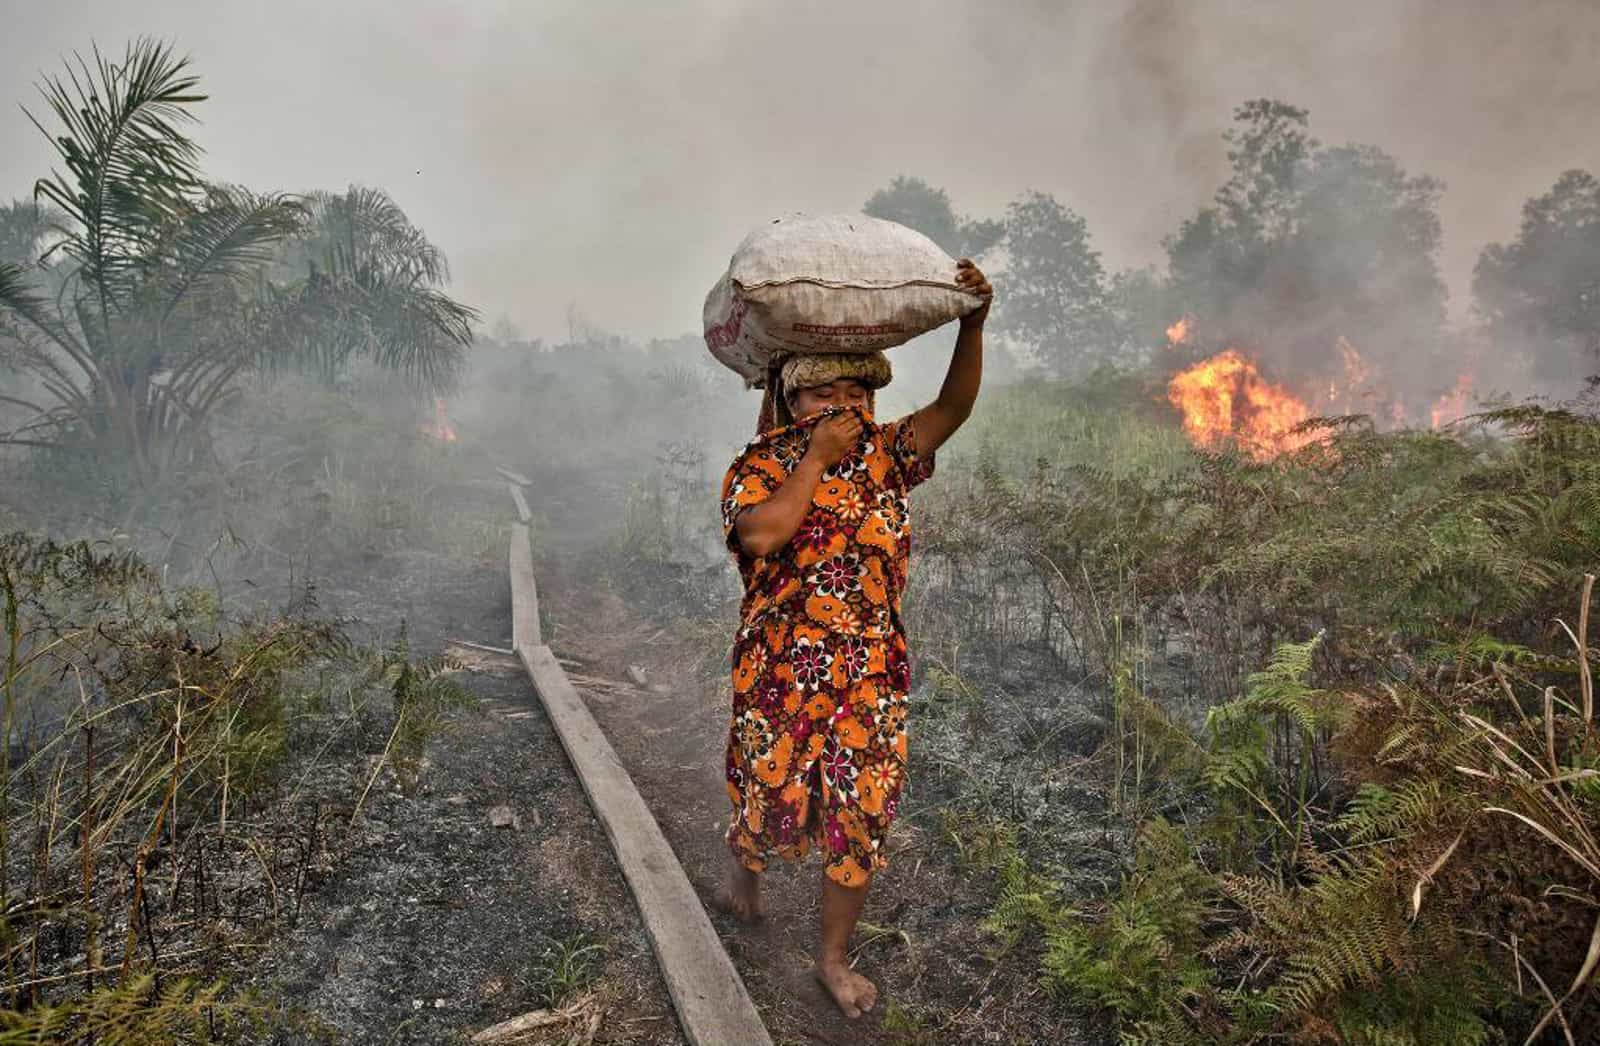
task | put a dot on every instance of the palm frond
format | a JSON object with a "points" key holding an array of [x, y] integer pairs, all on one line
{"points": [[227, 240], [372, 291], [421, 333], [18, 291], [363, 229], [130, 170], [20, 296]]}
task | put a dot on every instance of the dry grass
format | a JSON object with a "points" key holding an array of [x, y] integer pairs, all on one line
{"points": [[171, 786]]}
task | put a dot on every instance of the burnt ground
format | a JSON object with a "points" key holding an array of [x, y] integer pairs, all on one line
{"points": [[439, 921], [436, 924]]}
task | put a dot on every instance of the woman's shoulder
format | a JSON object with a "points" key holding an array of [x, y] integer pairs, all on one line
{"points": [[890, 436], [775, 452]]}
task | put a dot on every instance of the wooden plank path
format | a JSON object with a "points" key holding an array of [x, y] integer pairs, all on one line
{"points": [[523, 515], [515, 477], [524, 596], [714, 1009]]}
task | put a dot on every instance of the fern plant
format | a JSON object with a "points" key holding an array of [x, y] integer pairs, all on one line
{"points": [[1263, 749], [1141, 953]]}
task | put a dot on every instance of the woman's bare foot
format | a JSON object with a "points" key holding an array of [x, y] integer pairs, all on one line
{"points": [[853, 992], [742, 894], [841, 908]]}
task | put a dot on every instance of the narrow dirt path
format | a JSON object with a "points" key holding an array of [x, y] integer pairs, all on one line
{"points": [[920, 938], [434, 925], [671, 742]]}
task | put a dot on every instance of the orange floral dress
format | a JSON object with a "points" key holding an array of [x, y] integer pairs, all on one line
{"points": [[817, 742]]}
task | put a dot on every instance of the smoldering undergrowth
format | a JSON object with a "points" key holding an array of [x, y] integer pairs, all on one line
{"points": [[175, 780], [1344, 702]]}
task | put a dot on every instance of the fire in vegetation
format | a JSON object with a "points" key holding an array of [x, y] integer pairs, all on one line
{"points": [[440, 428], [1178, 333], [1453, 404], [1357, 377], [1227, 399]]}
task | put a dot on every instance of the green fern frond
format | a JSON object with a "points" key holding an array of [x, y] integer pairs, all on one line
{"points": [[134, 1014]]}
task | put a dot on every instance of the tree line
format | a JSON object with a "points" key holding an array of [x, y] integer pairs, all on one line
{"points": [[1304, 244], [136, 295]]}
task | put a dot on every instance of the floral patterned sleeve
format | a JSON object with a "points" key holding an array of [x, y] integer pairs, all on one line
{"points": [[901, 437], [753, 477]]}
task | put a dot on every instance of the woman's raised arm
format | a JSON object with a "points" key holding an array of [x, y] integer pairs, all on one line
{"points": [[939, 420]]}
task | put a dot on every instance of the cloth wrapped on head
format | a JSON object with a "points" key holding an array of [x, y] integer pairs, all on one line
{"points": [[803, 372]]}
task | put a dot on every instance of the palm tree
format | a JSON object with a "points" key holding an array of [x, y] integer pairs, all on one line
{"points": [[366, 285], [25, 226], [168, 289], [26, 229]]}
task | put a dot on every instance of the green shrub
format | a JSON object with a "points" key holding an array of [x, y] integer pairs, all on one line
{"points": [[1328, 672]]}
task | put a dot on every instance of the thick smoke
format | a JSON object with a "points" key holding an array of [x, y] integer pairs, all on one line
{"points": [[609, 155]]}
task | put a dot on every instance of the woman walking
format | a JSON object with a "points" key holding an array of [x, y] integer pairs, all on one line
{"points": [[815, 509]]}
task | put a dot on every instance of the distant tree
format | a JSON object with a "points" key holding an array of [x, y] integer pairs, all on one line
{"points": [[1225, 251], [1141, 308], [25, 228], [168, 291], [914, 203], [1269, 152], [1540, 294], [362, 282], [1306, 244], [1055, 295], [506, 331]]}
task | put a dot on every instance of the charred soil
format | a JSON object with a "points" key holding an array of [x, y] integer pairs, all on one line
{"points": [[485, 891]]}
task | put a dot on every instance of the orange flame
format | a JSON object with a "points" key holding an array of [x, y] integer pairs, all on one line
{"points": [[1226, 398], [1453, 404], [1356, 391], [1356, 373], [441, 428]]}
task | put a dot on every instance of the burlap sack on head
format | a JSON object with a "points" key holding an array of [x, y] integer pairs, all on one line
{"points": [[806, 284]]}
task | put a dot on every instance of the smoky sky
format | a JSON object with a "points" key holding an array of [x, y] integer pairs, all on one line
{"points": [[602, 159]]}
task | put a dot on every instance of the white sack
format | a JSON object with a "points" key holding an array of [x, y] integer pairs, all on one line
{"points": [[807, 284]]}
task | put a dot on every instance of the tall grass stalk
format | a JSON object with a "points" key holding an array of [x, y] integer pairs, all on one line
{"points": [[1541, 783]]}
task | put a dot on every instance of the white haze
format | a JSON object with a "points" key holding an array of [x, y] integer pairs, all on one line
{"points": [[601, 159]]}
